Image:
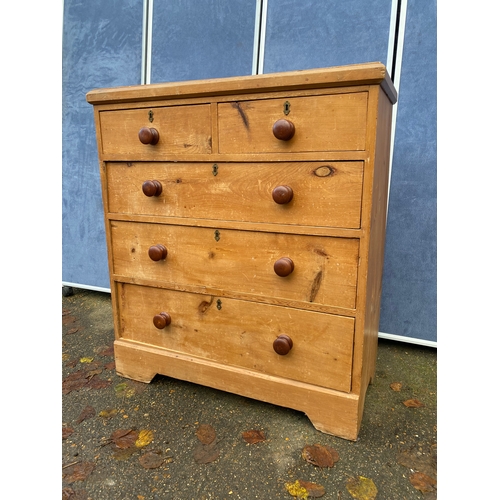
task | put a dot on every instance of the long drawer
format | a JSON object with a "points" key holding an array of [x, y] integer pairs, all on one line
{"points": [[324, 268], [181, 129], [321, 123], [322, 193], [241, 333]]}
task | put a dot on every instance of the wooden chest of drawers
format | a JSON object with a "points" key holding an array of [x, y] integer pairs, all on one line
{"points": [[245, 221]]}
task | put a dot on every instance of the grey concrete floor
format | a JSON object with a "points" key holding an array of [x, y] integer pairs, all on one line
{"points": [[395, 454]]}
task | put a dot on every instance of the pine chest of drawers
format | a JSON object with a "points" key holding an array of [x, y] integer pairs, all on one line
{"points": [[245, 221]]}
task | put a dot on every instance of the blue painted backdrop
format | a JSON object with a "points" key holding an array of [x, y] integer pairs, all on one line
{"points": [[312, 34], [101, 48], [202, 39], [194, 39], [409, 292]]}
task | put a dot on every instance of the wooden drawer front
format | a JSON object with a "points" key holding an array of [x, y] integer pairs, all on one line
{"points": [[324, 193], [325, 268], [241, 333], [322, 123], [182, 129]]}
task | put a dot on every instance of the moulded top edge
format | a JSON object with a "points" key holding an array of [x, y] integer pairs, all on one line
{"points": [[356, 74]]}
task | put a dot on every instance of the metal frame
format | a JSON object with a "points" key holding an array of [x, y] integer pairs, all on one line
{"points": [[147, 36], [259, 39]]}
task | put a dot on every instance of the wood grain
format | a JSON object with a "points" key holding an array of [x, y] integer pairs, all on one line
{"points": [[325, 193], [322, 123], [241, 333], [182, 129], [240, 261]]}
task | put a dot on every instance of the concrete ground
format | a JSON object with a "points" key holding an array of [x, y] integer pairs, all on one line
{"points": [[132, 441]]}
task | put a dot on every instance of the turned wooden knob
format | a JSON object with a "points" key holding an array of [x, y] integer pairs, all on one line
{"points": [[157, 252], [149, 135], [282, 345], [151, 188], [283, 129], [162, 320], [282, 194], [284, 266]]}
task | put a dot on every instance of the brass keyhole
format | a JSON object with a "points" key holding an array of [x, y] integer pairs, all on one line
{"points": [[215, 169], [286, 107], [219, 304], [151, 115], [216, 235]]}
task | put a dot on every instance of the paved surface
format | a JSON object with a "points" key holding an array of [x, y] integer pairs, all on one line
{"points": [[132, 441]]}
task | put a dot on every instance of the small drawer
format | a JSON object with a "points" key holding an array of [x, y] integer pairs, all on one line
{"points": [[308, 193], [323, 270], [299, 124], [172, 129], [241, 333]]}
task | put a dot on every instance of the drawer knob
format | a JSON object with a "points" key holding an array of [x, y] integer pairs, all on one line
{"points": [[284, 266], [151, 188], [282, 194], [149, 136], [162, 320], [283, 129], [157, 252], [282, 345]]}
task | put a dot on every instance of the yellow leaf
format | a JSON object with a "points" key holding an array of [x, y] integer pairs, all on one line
{"points": [[86, 360], [123, 389], [296, 490], [362, 488], [145, 437], [108, 413]]}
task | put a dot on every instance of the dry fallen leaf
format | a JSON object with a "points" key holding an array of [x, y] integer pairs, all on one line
{"points": [[66, 432], [254, 436], [87, 412], [86, 360], [151, 459], [67, 320], [422, 482], [413, 403], [70, 494], [108, 413], [84, 379], [296, 490], [124, 390], [426, 463], [205, 433], [107, 351], [78, 472], [396, 386], [314, 490], [124, 438], [145, 437], [206, 453], [97, 383], [319, 455], [362, 488]]}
